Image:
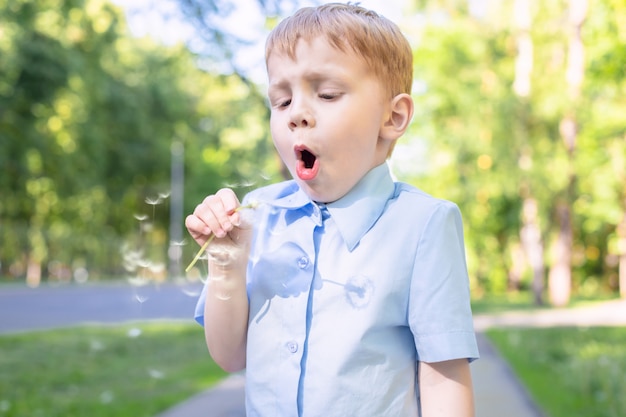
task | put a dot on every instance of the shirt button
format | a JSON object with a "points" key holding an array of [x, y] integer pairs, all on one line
{"points": [[292, 346], [303, 262]]}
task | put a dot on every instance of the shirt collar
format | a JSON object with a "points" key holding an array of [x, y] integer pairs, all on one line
{"points": [[356, 212]]}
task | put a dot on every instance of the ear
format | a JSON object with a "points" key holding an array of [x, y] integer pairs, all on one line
{"points": [[399, 117]]}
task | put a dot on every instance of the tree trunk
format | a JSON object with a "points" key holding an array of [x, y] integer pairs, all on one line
{"points": [[621, 248], [33, 273], [560, 277], [532, 242], [530, 232]]}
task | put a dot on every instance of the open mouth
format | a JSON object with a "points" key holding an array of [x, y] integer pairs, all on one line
{"points": [[307, 165], [307, 158]]}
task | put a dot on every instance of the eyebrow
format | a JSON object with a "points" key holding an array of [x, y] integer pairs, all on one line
{"points": [[310, 76]]}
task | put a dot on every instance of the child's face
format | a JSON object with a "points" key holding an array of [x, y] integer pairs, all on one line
{"points": [[327, 112]]}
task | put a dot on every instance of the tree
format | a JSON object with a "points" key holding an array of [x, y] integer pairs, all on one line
{"points": [[87, 117], [516, 126]]}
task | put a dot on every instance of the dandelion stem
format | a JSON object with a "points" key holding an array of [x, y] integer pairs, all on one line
{"points": [[200, 252], [210, 239]]}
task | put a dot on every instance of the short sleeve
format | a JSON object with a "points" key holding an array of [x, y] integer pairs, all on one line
{"points": [[440, 314]]}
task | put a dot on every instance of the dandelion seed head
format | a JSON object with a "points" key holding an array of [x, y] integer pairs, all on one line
{"points": [[253, 204]]}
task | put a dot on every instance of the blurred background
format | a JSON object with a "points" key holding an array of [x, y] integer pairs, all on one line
{"points": [[118, 117]]}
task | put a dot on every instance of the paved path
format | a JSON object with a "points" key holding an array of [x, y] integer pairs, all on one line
{"points": [[498, 393], [497, 390], [51, 306]]}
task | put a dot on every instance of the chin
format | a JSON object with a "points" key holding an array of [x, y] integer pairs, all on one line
{"points": [[314, 194]]}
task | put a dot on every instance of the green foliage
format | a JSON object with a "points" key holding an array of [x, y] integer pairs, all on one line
{"points": [[569, 371], [488, 149], [87, 118], [129, 371]]}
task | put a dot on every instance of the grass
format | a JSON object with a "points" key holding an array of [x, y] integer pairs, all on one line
{"points": [[123, 371], [523, 300], [569, 371]]}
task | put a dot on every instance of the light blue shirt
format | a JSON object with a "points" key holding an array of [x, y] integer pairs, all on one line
{"points": [[346, 299]]}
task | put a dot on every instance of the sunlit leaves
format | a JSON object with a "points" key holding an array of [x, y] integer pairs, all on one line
{"points": [[487, 147], [87, 118]]}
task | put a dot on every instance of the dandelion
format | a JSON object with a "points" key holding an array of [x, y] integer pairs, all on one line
{"points": [[156, 374], [153, 201], [141, 217], [134, 332], [252, 205], [106, 397]]}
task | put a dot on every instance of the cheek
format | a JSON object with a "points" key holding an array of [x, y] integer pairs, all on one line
{"points": [[281, 143]]}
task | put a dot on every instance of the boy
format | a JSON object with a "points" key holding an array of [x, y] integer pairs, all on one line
{"points": [[346, 294]]}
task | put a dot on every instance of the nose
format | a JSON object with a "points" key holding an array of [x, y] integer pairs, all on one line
{"points": [[300, 114]]}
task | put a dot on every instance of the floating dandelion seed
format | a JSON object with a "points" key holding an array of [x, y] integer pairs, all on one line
{"points": [[134, 332], [156, 374], [189, 292], [156, 268], [5, 405], [96, 345], [141, 298], [153, 201], [141, 217], [106, 397], [138, 281], [252, 205], [248, 183], [165, 195], [359, 291]]}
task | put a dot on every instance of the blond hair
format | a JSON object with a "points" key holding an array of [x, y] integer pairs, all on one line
{"points": [[377, 40]]}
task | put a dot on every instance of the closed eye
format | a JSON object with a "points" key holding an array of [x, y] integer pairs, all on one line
{"points": [[329, 96]]}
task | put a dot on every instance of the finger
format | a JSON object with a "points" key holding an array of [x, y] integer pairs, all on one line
{"points": [[216, 210], [231, 204], [197, 228]]}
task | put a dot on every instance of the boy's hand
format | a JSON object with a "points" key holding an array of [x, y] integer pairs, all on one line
{"points": [[217, 215]]}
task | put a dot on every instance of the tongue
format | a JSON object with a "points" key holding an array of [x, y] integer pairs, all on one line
{"points": [[306, 173]]}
